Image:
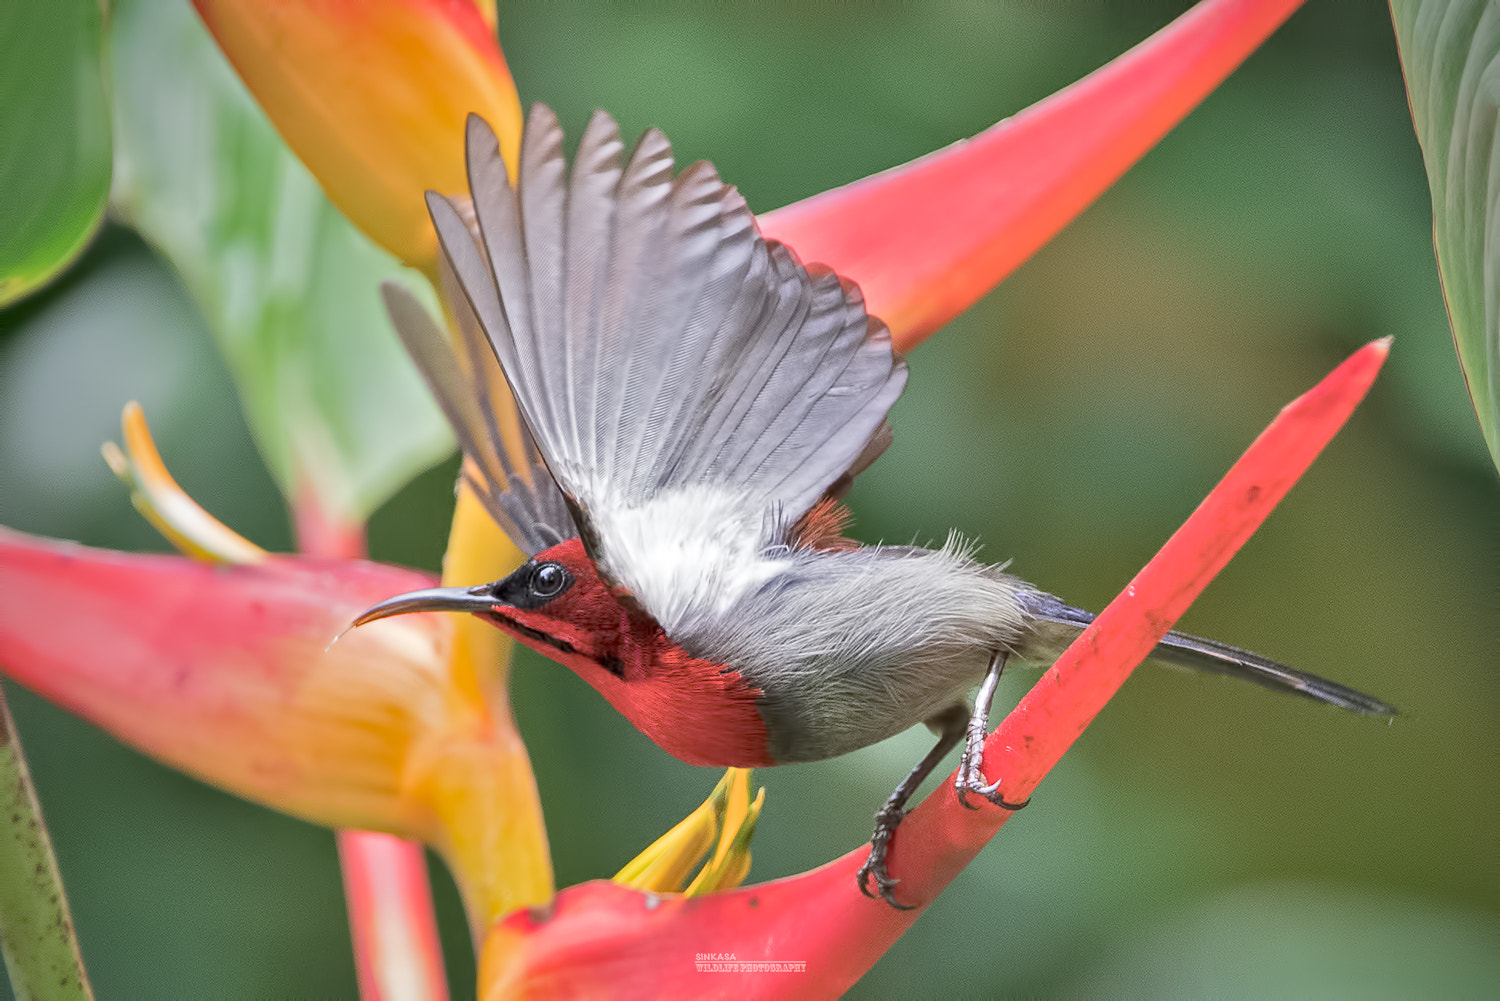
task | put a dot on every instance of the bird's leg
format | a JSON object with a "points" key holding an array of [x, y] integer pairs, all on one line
{"points": [[970, 774], [950, 724]]}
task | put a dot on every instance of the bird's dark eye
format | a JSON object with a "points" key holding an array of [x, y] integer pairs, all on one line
{"points": [[549, 580]]}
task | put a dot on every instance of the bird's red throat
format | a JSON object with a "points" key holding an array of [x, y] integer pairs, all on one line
{"points": [[698, 711]]}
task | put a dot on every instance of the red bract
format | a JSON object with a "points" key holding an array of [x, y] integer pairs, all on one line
{"points": [[927, 239], [602, 939], [221, 671]]}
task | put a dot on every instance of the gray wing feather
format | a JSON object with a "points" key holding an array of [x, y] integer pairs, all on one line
{"points": [[653, 339], [590, 218], [541, 214], [509, 477]]}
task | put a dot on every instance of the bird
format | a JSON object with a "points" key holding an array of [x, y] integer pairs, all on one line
{"points": [[694, 402]]}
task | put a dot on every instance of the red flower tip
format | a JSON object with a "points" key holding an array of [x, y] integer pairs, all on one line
{"points": [[928, 239]]}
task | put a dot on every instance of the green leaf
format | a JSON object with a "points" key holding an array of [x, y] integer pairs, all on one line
{"points": [[1450, 50], [54, 139], [289, 287]]}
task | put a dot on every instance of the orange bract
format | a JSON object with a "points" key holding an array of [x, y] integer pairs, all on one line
{"points": [[372, 96]]}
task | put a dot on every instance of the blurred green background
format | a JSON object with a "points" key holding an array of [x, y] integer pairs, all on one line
{"points": [[1205, 838]]}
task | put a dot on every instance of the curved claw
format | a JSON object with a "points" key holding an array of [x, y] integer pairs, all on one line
{"points": [[965, 787], [973, 782], [863, 878], [875, 868]]}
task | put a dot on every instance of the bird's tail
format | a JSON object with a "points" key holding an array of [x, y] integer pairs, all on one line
{"points": [[1209, 655]]}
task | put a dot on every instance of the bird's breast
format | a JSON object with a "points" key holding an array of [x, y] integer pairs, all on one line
{"points": [[700, 711]]}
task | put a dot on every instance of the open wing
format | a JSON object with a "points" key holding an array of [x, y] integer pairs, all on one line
{"points": [[692, 387]]}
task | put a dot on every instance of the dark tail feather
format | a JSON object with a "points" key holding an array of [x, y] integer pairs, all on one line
{"points": [[1208, 655]]}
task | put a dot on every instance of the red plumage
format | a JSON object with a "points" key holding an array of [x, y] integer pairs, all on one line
{"points": [[701, 712]]}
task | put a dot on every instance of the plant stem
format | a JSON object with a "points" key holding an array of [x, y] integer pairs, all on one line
{"points": [[397, 954], [36, 929]]}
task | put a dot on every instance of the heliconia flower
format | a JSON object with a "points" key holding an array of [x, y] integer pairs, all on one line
{"points": [[244, 676], [500, 855], [391, 918], [372, 96], [725, 823], [602, 939], [227, 673]]}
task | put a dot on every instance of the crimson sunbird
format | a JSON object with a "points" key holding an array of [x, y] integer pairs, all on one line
{"points": [[694, 401]]}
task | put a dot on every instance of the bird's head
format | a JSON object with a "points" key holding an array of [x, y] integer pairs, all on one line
{"points": [[555, 602], [559, 604]]}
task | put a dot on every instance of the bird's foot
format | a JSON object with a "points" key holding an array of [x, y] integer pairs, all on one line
{"points": [[970, 762], [971, 781], [874, 870]]}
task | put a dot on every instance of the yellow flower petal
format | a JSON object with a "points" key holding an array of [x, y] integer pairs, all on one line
{"points": [[166, 505], [664, 866], [731, 861], [725, 822]]}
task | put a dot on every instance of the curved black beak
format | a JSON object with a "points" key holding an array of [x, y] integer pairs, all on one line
{"points": [[432, 599]]}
